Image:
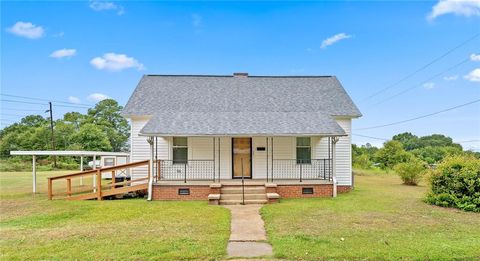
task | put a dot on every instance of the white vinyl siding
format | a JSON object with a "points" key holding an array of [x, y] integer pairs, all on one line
{"points": [[140, 149], [343, 154], [201, 148], [259, 158]]}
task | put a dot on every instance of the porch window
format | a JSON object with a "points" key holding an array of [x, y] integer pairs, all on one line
{"points": [[304, 150], [180, 150]]}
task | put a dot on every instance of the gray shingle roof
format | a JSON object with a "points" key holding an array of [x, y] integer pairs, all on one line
{"points": [[241, 123], [227, 101]]}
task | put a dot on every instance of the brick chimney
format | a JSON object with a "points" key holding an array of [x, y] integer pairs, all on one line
{"points": [[240, 74]]}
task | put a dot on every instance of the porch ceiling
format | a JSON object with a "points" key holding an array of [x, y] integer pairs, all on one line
{"points": [[242, 123]]}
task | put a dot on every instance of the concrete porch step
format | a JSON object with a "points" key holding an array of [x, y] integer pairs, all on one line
{"points": [[239, 196], [238, 202], [238, 190]]}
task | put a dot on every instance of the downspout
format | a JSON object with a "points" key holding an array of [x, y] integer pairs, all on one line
{"points": [[334, 176], [150, 174]]}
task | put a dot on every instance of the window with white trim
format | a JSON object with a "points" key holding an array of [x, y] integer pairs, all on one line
{"points": [[180, 150], [304, 150]]}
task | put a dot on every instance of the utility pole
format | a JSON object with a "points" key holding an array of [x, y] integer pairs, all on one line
{"points": [[53, 137]]}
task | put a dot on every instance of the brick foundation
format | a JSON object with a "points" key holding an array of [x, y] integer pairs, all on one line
{"points": [[343, 189], [201, 192], [319, 190], [170, 192]]}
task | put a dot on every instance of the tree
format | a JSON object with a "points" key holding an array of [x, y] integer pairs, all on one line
{"points": [[438, 140], [391, 154], [433, 155], [92, 137], [408, 140], [106, 114]]}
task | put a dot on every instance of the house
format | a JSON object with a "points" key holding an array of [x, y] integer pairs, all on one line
{"points": [[281, 136]]}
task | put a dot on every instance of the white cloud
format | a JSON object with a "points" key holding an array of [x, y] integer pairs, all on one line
{"points": [[457, 7], [63, 53], [429, 85], [334, 39], [106, 6], [115, 62], [475, 57], [96, 97], [450, 78], [74, 99], [26, 29], [473, 76], [196, 20]]}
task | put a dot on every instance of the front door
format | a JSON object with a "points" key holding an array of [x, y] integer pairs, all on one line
{"points": [[242, 157]]}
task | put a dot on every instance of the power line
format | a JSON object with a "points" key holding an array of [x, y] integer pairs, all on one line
{"points": [[40, 99], [10, 114], [420, 84], [7, 100], [58, 105], [421, 68], [370, 137], [14, 109], [419, 117]]}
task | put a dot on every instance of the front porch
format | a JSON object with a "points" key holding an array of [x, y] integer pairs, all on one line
{"points": [[219, 168], [265, 159]]}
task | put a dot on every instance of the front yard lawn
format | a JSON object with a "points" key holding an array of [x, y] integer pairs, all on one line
{"points": [[33, 228], [381, 219]]}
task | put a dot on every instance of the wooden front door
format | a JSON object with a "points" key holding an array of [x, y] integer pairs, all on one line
{"points": [[242, 154]]}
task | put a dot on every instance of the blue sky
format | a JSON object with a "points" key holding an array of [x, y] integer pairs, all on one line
{"points": [[83, 51]]}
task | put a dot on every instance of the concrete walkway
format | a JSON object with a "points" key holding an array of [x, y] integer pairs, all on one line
{"points": [[247, 232]]}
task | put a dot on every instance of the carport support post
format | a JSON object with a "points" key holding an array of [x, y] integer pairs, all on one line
{"points": [[94, 166], [81, 170], [34, 173]]}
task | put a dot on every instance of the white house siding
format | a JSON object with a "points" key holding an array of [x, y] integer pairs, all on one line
{"points": [[343, 154], [259, 158], [140, 149], [200, 148]]}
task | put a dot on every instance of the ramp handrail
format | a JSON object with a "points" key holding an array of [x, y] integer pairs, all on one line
{"points": [[97, 173]]}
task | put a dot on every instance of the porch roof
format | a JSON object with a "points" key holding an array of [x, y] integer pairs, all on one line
{"points": [[242, 123]]}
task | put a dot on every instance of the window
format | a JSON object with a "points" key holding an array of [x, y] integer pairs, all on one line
{"points": [[183, 191], [304, 150], [108, 162], [180, 150], [307, 190]]}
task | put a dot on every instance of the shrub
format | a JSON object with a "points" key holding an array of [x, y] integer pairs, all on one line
{"points": [[456, 183], [410, 172]]}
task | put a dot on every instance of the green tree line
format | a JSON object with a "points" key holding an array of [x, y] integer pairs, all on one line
{"points": [[102, 128], [405, 147]]}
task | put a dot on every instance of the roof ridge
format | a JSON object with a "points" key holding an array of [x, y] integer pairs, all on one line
{"points": [[231, 76]]}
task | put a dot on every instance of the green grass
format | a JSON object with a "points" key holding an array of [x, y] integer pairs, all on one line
{"points": [[381, 219], [33, 228]]}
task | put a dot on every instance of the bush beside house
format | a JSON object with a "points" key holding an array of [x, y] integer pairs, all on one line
{"points": [[456, 183], [411, 172]]}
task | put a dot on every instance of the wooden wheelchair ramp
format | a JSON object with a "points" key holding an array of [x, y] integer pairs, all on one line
{"points": [[95, 187]]}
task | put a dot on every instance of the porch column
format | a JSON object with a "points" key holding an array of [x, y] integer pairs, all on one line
{"points": [[214, 159], [150, 168], [34, 174], [334, 176], [219, 160]]}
